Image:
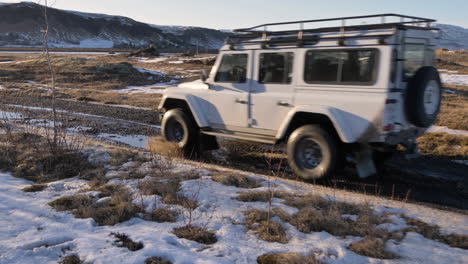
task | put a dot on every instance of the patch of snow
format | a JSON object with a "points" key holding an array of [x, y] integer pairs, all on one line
{"points": [[148, 60], [157, 88], [137, 141], [447, 71], [458, 79], [464, 162], [175, 62], [444, 129], [149, 71]]}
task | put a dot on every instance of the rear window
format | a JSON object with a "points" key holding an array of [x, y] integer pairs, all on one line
{"points": [[233, 69], [414, 59], [340, 66], [276, 68]]}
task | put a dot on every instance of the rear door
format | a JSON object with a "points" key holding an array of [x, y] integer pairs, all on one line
{"points": [[272, 90]]}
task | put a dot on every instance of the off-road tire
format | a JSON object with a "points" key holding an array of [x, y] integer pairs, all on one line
{"points": [[326, 142], [177, 121], [423, 97]]}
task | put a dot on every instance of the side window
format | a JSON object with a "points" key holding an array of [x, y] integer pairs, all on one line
{"points": [[414, 59], [276, 68], [233, 69], [340, 66], [323, 66]]}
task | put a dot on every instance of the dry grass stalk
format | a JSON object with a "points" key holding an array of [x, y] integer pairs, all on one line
{"points": [[237, 180], [372, 247], [288, 258], [197, 234], [264, 227], [157, 260], [123, 240], [35, 188]]}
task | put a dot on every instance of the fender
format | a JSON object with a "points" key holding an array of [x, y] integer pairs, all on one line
{"points": [[191, 101], [349, 126]]}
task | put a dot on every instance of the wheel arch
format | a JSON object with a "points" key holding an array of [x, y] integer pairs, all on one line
{"points": [[331, 118], [188, 103]]}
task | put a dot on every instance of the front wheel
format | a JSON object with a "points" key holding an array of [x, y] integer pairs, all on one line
{"points": [[312, 152], [180, 128]]}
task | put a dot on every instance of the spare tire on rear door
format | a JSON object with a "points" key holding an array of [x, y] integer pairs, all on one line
{"points": [[423, 97]]}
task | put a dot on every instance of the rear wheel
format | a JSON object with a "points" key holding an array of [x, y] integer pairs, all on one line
{"points": [[312, 152], [180, 128]]}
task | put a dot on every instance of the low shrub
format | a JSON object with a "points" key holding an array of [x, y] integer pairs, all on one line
{"points": [[162, 215], [157, 260], [70, 203], [196, 234], [237, 180], [123, 240], [35, 188], [288, 258], [71, 259], [263, 196], [266, 228], [372, 247]]}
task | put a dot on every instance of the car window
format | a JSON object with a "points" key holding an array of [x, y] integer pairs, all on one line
{"points": [[276, 68], [414, 59], [340, 66], [233, 68]]}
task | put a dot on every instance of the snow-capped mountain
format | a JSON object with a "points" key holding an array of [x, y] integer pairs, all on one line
{"points": [[21, 25], [453, 37]]}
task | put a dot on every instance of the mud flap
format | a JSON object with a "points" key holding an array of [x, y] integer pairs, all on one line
{"points": [[207, 142], [365, 162]]}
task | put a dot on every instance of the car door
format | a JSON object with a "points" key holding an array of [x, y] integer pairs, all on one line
{"points": [[272, 90], [229, 89]]}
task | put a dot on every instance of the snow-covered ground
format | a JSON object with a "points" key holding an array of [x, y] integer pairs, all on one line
{"points": [[444, 129], [32, 232], [458, 79]]}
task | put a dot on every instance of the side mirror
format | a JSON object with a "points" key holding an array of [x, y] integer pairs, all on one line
{"points": [[204, 75]]}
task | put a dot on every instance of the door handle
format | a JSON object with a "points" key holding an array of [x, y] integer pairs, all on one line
{"points": [[240, 101], [283, 103]]}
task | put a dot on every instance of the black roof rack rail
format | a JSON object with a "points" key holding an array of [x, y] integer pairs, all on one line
{"points": [[301, 36], [413, 20]]}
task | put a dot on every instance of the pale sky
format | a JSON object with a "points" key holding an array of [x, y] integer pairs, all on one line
{"points": [[229, 14]]}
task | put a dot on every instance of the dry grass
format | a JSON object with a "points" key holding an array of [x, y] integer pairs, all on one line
{"points": [[196, 234], [110, 189], [168, 190], [70, 203], [260, 196], [454, 111], [35, 188], [433, 232], [119, 208], [237, 180], [29, 156], [123, 240], [288, 258], [71, 259], [160, 146], [162, 215], [265, 228], [444, 145], [157, 260], [372, 247]]}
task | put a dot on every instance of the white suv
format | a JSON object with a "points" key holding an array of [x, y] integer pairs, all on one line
{"points": [[329, 92]]}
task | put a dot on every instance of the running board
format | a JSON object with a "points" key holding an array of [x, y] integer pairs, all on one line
{"points": [[240, 135]]}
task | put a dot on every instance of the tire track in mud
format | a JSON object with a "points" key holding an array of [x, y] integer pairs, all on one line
{"points": [[433, 182]]}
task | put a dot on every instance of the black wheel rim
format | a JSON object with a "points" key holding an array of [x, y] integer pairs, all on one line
{"points": [[175, 131], [308, 154]]}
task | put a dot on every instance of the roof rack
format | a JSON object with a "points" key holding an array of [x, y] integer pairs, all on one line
{"points": [[303, 36]]}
